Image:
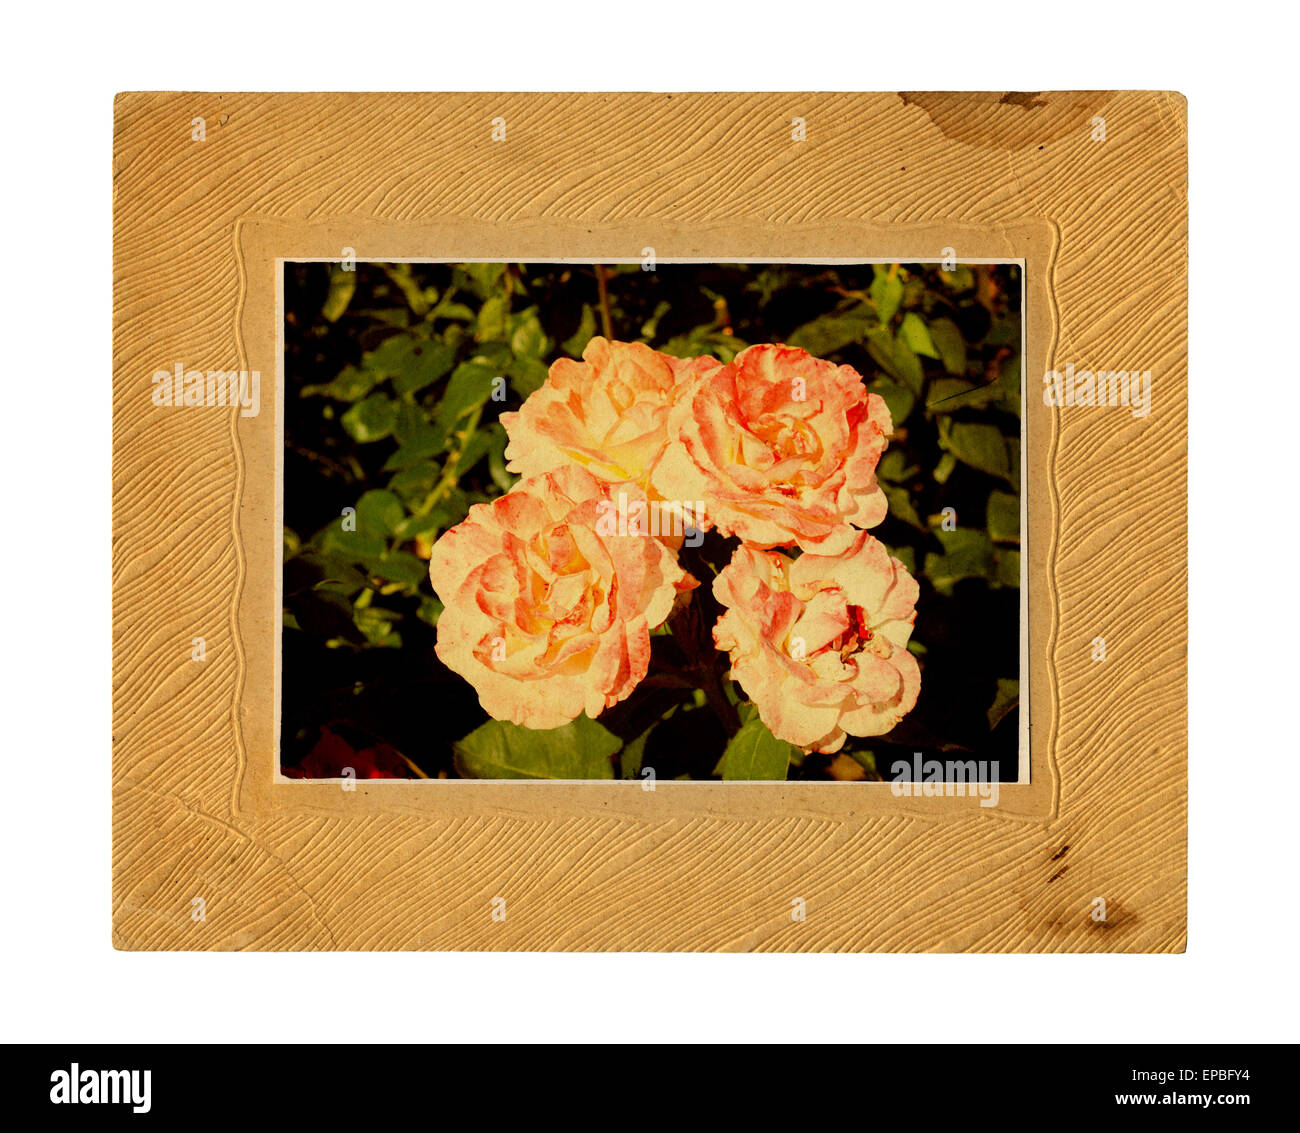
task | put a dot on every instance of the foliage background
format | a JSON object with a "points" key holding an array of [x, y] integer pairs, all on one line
{"points": [[389, 375]]}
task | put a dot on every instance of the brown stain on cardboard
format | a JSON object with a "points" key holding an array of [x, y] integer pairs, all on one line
{"points": [[1013, 120]]}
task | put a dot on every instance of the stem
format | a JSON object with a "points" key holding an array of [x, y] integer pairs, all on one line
{"points": [[450, 470], [602, 289]]}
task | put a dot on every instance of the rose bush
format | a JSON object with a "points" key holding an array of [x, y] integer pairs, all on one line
{"points": [[548, 605]]}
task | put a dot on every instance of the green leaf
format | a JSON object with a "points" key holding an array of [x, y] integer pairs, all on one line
{"points": [[576, 343], [950, 344], [898, 398], [449, 310], [894, 466], [1009, 383], [529, 340], [704, 340], [475, 449], [916, 334], [947, 395], [414, 483], [377, 625], [649, 328], [423, 364], [900, 504], [417, 448], [387, 316], [1003, 332], [349, 385], [886, 292], [1007, 568], [469, 389], [526, 375], [413, 526], [497, 441], [379, 512], [633, 754], [482, 278], [967, 553], [829, 333], [1008, 697], [403, 567], [342, 286], [1004, 517], [961, 278], [896, 358], [403, 275], [353, 546], [492, 318], [318, 570], [908, 366], [982, 446], [410, 423], [754, 753], [581, 749], [389, 356], [371, 419]]}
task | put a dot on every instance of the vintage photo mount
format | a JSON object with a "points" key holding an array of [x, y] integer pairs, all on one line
{"points": [[202, 819], [267, 247]]}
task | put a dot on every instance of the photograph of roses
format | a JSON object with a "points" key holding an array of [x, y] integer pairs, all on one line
{"points": [[601, 521]]}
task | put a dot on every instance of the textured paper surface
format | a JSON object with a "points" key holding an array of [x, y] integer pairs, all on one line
{"points": [[199, 227]]}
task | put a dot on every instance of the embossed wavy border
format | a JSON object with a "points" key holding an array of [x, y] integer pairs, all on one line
{"points": [[910, 807]]}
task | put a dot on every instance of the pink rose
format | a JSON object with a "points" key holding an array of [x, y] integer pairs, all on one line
{"points": [[819, 643], [543, 614], [607, 413], [783, 448]]}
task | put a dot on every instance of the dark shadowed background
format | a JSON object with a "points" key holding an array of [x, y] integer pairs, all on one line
{"points": [[389, 374]]}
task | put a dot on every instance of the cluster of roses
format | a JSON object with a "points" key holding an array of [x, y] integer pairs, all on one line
{"points": [[548, 607]]}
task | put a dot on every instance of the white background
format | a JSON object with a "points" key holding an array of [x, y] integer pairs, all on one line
{"points": [[63, 982]]}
